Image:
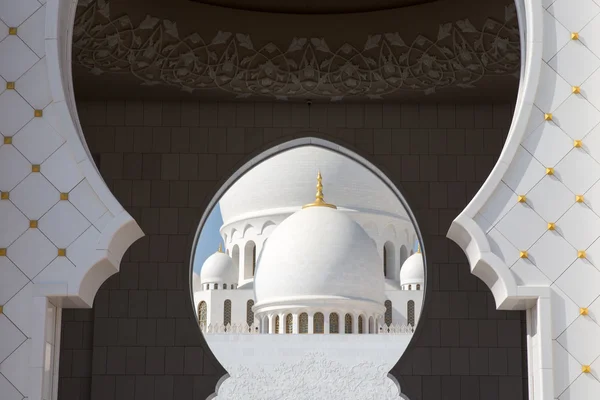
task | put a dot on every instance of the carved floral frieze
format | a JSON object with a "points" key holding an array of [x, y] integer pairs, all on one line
{"points": [[154, 52]]}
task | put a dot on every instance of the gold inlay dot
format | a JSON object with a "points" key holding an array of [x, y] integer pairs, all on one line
{"points": [[583, 311], [574, 35], [576, 89], [521, 198], [35, 168], [62, 252], [549, 171], [7, 139], [1, 309], [12, 31], [586, 369], [551, 226], [579, 198], [38, 113], [577, 143], [548, 116], [10, 85], [2, 252], [581, 254], [64, 196], [4, 195], [33, 224], [523, 254]]}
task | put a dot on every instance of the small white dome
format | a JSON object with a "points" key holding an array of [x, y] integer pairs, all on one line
{"points": [[218, 268], [319, 254], [412, 271]]}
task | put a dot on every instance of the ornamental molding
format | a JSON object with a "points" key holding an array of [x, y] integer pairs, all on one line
{"points": [[315, 376], [153, 51]]}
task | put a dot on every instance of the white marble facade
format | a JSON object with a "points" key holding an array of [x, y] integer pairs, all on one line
{"points": [[530, 233]]}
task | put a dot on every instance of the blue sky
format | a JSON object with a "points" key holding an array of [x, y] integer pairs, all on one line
{"points": [[209, 238]]}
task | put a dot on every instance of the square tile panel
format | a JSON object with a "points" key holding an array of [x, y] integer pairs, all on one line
{"points": [[594, 311], [581, 282], [575, 73], [80, 250], [3, 30], [589, 35], [573, 18], [15, 58], [34, 196], [15, 13], [9, 392], [582, 340], [553, 91], [87, 202], [11, 216], [548, 144], [523, 172], [499, 204], [592, 254], [535, 119], [586, 387], [501, 247], [552, 254], [556, 36], [14, 366], [12, 280], [12, 337], [550, 198], [570, 311], [580, 226], [33, 32], [527, 274], [590, 89], [18, 309], [101, 223], [37, 140], [566, 368], [13, 168], [32, 262], [34, 86], [14, 112], [63, 224], [55, 271], [595, 367], [576, 116], [62, 170], [578, 171], [511, 226]]}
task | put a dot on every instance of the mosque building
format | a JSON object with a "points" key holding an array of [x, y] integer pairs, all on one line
{"points": [[313, 268]]}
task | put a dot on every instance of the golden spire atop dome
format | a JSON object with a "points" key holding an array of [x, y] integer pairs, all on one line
{"points": [[418, 247], [319, 202], [220, 248]]}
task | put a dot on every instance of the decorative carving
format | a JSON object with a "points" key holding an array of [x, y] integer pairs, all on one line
{"points": [[314, 377], [153, 51]]}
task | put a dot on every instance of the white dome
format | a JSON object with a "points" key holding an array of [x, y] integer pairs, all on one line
{"points": [[286, 181], [319, 254], [218, 268], [413, 271]]}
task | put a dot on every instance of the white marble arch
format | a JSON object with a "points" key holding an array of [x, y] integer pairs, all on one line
{"points": [[554, 65]]}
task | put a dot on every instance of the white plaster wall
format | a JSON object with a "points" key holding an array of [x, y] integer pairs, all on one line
{"points": [[215, 300], [62, 233]]}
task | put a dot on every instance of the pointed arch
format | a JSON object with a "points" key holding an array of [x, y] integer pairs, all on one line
{"points": [[388, 312], [410, 313], [289, 323], [303, 323], [249, 312], [334, 323], [202, 314], [348, 323], [319, 323], [227, 312]]}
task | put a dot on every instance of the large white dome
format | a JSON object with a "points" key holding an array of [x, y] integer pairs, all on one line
{"points": [[218, 268], [286, 180], [319, 253], [413, 271]]}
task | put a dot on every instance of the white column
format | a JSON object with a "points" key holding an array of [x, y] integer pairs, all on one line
{"points": [[354, 323], [311, 323], [326, 323], [281, 323], [295, 324], [341, 323]]}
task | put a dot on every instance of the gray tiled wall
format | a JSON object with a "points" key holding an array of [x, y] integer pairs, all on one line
{"points": [[163, 161]]}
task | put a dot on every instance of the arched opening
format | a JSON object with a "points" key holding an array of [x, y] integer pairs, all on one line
{"points": [[334, 323], [276, 324], [371, 325], [224, 286], [403, 255], [249, 259], [202, 314], [227, 312], [303, 323], [389, 260], [410, 313], [289, 323], [235, 257], [249, 312], [319, 323], [388, 312], [361, 321], [348, 323]]}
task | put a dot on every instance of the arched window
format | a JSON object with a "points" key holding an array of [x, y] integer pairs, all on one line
{"points": [[303, 322], [418, 287], [388, 312], [249, 259], [227, 312], [410, 312], [403, 254], [235, 256], [409, 287], [276, 324], [389, 260], [249, 312], [289, 324], [319, 323], [202, 314], [216, 286], [371, 325], [348, 324], [334, 323], [224, 286], [360, 324]]}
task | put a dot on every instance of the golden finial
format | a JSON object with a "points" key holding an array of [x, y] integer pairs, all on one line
{"points": [[220, 248], [319, 202], [418, 247]]}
